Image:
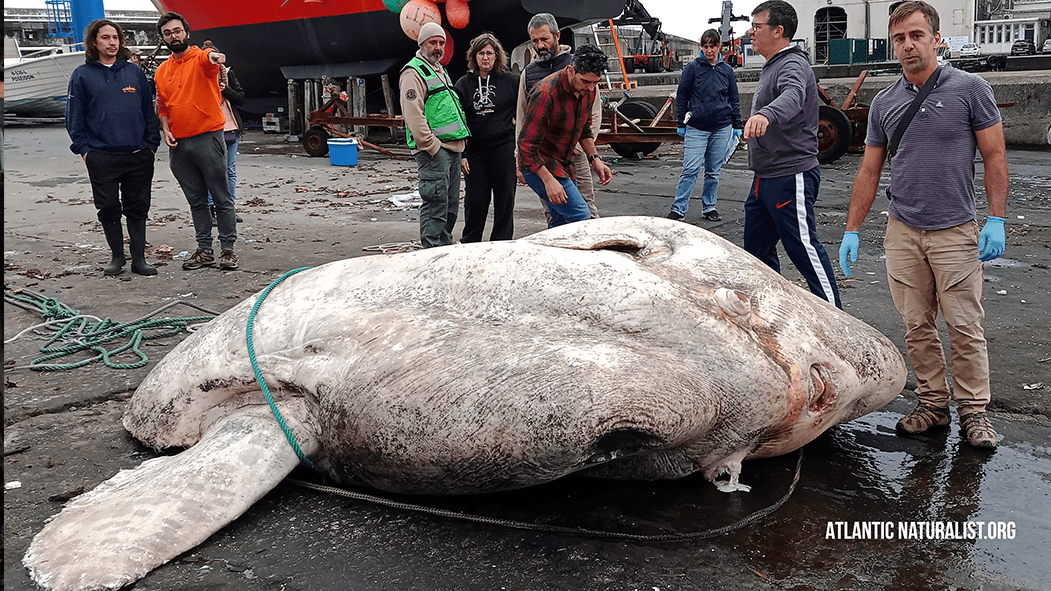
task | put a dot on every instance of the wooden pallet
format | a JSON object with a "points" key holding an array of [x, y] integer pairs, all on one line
{"points": [[618, 85]]}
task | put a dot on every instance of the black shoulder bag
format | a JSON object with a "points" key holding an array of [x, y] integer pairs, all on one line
{"points": [[892, 147]]}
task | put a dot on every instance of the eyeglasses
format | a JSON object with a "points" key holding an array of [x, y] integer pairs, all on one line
{"points": [[755, 26], [486, 53], [172, 33]]}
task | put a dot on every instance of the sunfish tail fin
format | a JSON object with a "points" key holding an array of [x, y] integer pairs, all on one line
{"points": [[144, 517]]}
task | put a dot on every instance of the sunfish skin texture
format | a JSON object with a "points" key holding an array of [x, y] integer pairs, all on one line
{"points": [[629, 347]]}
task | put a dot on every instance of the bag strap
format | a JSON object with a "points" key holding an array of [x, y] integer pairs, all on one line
{"points": [[899, 131]]}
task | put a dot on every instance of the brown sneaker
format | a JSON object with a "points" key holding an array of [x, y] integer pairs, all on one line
{"points": [[228, 260], [201, 258], [925, 416], [978, 430]]}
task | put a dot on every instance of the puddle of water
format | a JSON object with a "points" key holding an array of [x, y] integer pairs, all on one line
{"points": [[858, 472]]}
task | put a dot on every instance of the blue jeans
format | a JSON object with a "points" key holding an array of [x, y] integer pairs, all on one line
{"points": [[707, 150], [231, 167], [575, 209]]}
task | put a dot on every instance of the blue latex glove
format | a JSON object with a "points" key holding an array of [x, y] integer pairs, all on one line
{"points": [[681, 131], [992, 241], [737, 134], [848, 251]]}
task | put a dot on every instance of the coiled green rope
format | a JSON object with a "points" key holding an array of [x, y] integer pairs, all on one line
{"points": [[259, 374], [75, 333]]}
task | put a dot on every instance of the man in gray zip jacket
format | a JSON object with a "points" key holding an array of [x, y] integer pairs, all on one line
{"points": [[782, 151]]}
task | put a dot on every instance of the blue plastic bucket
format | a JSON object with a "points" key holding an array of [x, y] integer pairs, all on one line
{"points": [[343, 151]]}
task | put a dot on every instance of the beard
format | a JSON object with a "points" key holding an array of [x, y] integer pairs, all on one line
{"points": [[545, 53], [178, 46], [434, 56]]}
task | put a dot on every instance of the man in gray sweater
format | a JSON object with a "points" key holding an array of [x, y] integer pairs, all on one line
{"points": [[782, 151]]}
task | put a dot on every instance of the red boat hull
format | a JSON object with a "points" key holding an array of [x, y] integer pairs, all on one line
{"points": [[342, 38]]}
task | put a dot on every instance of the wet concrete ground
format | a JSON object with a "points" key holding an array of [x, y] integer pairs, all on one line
{"points": [[62, 430]]}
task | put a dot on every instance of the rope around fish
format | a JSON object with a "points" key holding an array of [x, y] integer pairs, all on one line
{"points": [[683, 537], [572, 531]]}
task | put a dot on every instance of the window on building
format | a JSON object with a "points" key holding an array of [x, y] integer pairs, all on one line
{"points": [[829, 23], [999, 33]]}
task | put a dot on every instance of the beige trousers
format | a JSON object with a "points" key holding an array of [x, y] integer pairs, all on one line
{"points": [[932, 270]]}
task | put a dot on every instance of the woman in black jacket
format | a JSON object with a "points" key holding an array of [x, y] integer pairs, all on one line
{"points": [[489, 96]]}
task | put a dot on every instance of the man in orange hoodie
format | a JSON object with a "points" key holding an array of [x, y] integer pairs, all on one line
{"points": [[188, 102]]}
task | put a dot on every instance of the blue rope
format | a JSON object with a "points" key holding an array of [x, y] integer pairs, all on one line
{"points": [[259, 374]]}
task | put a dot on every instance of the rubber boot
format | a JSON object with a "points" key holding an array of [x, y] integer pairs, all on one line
{"points": [[115, 239], [137, 239]]}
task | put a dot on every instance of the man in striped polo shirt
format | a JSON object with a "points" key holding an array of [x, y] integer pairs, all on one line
{"points": [[933, 244]]}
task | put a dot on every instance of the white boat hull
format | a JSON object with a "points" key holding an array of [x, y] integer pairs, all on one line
{"points": [[38, 87]]}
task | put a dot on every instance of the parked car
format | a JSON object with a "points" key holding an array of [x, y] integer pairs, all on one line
{"points": [[970, 50], [1023, 47], [1047, 47]]}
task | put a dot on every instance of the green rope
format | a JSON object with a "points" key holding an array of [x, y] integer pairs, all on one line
{"points": [[78, 334], [259, 374]]}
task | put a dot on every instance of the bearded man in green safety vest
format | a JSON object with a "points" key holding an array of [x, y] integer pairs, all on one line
{"points": [[436, 132]]}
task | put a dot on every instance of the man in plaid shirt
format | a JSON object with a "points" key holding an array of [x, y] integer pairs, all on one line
{"points": [[557, 117]]}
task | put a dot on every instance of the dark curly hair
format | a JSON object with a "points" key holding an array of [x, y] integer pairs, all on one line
{"points": [[91, 34], [588, 59]]}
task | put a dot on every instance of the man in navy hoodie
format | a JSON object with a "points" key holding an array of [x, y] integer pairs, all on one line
{"points": [[111, 120], [782, 151]]}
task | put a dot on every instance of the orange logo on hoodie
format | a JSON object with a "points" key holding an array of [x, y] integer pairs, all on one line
{"points": [[130, 89]]}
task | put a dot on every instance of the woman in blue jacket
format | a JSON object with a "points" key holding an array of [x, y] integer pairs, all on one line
{"points": [[709, 117]]}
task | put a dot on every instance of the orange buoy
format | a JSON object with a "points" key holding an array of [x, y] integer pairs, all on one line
{"points": [[417, 13], [458, 13], [448, 48]]}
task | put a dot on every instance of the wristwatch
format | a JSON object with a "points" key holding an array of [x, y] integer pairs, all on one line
{"points": [[593, 157]]}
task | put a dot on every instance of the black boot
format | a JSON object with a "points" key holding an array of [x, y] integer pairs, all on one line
{"points": [[137, 238], [115, 239]]}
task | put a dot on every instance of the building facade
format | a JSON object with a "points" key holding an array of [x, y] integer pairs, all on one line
{"points": [[993, 24], [29, 27], [1001, 22]]}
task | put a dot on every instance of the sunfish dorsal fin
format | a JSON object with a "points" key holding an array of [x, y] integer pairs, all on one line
{"points": [[144, 517]]}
